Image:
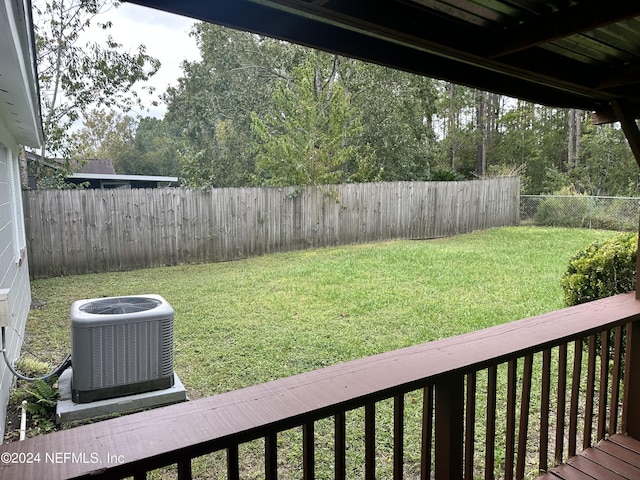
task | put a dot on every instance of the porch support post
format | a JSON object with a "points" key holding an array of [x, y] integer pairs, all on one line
{"points": [[629, 127], [449, 425], [631, 131]]}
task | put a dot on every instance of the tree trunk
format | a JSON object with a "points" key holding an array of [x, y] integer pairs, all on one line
{"points": [[452, 125], [578, 135], [23, 168], [571, 150], [481, 125]]}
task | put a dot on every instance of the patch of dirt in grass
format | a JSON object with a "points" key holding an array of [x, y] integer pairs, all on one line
{"points": [[12, 425], [37, 304]]}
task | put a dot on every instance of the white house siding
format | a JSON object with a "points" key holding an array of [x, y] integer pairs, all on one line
{"points": [[19, 124], [14, 273]]}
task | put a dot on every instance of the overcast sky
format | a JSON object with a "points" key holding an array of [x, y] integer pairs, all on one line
{"points": [[166, 37]]}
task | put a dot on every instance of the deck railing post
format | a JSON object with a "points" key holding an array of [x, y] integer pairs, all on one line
{"points": [[449, 427], [638, 264], [630, 411]]}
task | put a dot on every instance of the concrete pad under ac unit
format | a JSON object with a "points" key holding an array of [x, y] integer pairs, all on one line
{"points": [[67, 411]]}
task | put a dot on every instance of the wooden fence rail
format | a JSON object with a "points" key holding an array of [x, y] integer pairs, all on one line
{"points": [[82, 231]]}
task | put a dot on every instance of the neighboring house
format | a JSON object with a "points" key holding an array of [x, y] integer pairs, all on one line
{"points": [[95, 173], [95, 180], [37, 167], [99, 173], [19, 125], [94, 166]]}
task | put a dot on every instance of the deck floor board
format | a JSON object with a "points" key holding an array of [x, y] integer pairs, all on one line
{"points": [[616, 458]]}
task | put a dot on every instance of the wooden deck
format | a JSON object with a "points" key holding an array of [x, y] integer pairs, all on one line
{"points": [[539, 383], [615, 458]]}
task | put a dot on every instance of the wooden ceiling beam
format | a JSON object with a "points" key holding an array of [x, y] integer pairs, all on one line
{"points": [[629, 127], [629, 75], [420, 37], [608, 115]]}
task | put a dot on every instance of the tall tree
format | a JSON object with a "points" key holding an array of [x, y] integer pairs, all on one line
{"points": [[156, 146], [487, 114], [105, 134], [239, 115], [238, 76], [212, 104], [76, 76], [607, 166], [482, 124], [458, 130], [575, 132], [145, 146], [310, 136], [396, 109]]}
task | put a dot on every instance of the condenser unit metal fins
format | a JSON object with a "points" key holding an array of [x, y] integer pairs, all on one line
{"points": [[121, 346]]}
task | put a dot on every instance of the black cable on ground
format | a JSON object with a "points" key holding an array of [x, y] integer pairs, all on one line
{"points": [[66, 363]]}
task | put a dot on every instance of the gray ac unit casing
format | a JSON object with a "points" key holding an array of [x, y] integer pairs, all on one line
{"points": [[116, 354]]}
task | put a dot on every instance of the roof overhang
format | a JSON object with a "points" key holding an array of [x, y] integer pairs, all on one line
{"points": [[19, 96], [582, 54], [123, 178]]}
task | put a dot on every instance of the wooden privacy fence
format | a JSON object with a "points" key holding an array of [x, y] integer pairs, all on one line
{"points": [[82, 231]]}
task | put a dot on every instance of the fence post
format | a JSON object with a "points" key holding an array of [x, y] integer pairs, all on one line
{"points": [[449, 425]]}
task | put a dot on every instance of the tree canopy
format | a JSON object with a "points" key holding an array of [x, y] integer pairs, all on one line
{"points": [[259, 111], [75, 74]]}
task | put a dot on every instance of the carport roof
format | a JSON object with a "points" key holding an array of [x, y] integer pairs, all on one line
{"points": [[567, 53]]}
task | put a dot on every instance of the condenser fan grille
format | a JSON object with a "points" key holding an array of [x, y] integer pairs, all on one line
{"points": [[111, 306]]}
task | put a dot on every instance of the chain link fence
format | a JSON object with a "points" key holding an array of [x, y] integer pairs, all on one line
{"points": [[578, 211]]}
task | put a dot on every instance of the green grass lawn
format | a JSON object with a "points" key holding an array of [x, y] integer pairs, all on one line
{"points": [[251, 321]]}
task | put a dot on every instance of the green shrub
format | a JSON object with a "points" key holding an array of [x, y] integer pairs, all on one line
{"points": [[615, 214], [443, 175], [572, 212], [579, 211], [602, 269]]}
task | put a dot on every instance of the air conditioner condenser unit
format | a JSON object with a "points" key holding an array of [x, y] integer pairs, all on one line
{"points": [[120, 346]]}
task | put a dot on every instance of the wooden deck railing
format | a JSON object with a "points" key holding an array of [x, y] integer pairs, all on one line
{"points": [[506, 402]]}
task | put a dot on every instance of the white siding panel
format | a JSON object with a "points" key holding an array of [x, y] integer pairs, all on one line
{"points": [[13, 275], [6, 261]]}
